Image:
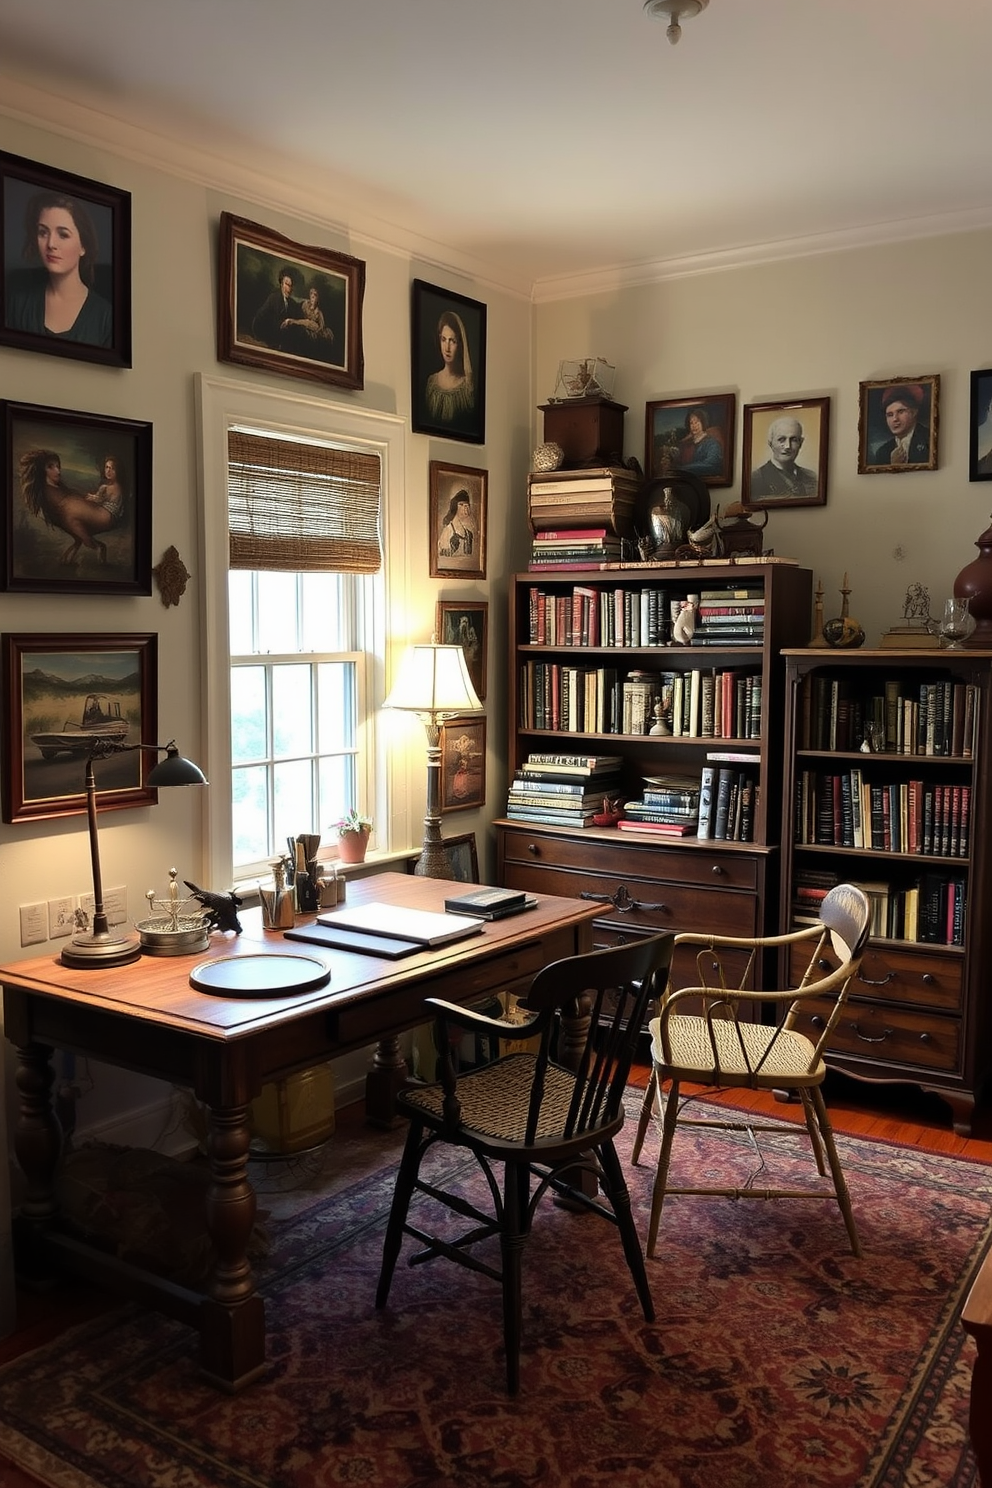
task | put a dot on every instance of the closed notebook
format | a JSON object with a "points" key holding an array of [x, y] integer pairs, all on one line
{"points": [[423, 926], [489, 903]]}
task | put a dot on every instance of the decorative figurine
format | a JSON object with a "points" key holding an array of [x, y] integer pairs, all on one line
{"points": [[844, 633], [220, 910]]}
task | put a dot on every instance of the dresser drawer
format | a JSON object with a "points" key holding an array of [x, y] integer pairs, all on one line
{"points": [[891, 974], [886, 1035], [639, 905], [626, 859]]}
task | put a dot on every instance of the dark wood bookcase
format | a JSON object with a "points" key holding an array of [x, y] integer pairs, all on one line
{"points": [[649, 883], [906, 819]]}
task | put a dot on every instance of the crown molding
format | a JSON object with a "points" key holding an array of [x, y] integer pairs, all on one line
{"points": [[240, 170]]}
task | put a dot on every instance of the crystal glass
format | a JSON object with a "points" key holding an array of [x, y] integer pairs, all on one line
{"points": [[956, 623]]}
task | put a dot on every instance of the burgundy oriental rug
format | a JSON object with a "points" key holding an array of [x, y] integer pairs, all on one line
{"points": [[777, 1360]]}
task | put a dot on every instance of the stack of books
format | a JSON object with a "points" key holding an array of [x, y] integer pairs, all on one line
{"points": [[590, 500], [728, 798], [730, 617], [563, 790], [669, 806], [579, 547]]}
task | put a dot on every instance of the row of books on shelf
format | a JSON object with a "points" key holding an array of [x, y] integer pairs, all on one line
{"points": [[930, 718], [713, 703], [842, 809], [931, 910], [620, 616], [720, 805]]}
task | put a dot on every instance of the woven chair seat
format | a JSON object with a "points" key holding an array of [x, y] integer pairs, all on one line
{"points": [[772, 1054], [494, 1100]]}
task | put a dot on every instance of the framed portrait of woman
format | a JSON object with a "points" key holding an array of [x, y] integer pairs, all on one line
{"points": [[694, 434], [457, 521], [78, 502], [65, 279], [448, 374], [463, 764]]}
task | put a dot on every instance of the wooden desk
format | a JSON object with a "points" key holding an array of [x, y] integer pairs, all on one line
{"points": [[146, 1017]]}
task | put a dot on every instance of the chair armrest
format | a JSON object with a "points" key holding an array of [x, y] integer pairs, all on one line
{"points": [[473, 1022], [747, 942]]}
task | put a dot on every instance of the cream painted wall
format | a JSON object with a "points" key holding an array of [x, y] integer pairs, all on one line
{"points": [[808, 328], [174, 297]]}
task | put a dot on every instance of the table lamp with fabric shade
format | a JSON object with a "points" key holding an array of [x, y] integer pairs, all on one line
{"points": [[433, 682]]}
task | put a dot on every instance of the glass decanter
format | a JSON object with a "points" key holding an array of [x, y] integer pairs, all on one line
{"points": [[956, 623]]}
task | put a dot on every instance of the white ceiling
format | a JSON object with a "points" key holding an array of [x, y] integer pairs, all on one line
{"points": [[546, 140]]}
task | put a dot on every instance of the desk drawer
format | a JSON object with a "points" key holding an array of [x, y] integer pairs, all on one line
{"points": [[629, 860], [891, 974], [885, 1035]]}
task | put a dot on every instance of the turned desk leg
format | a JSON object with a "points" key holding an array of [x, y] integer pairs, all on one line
{"points": [[38, 1147], [232, 1331], [386, 1077]]}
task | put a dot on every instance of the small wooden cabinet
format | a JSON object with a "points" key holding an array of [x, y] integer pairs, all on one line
{"points": [[649, 883], [905, 820]]}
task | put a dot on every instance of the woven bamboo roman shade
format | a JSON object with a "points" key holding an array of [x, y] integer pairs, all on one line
{"points": [[302, 507]]}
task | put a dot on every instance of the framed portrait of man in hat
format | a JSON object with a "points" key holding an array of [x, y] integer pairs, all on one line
{"points": [[897, 425]]}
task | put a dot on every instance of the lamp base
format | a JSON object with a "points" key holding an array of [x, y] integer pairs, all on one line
{"points": [[89, 951], [433, 862]]}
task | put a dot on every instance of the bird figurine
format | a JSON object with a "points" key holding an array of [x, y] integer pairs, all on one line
{"points": [[220, 910]]}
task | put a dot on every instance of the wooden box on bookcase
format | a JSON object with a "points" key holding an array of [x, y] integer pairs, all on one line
{"points": [[565, 622], [886, 785]]}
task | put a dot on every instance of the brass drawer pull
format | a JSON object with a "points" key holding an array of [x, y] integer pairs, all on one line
{"points": [[889, 976], [622, 901], [885, 1034]]}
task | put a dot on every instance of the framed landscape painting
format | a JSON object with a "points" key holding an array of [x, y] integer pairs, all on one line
{"points": [[65, 693], [694, 434], [65, 279], [78, 502], [287, 308]]}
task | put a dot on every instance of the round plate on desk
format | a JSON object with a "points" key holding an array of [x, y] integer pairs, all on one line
{"points": [[259, 976]]}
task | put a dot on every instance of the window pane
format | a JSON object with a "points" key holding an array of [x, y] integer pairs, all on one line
{"points": [[294, 806], [251, 815], [324, 629], [277, 601], [241, 621], [247, 714], [336, 705], [338, 792], [292, 713]]}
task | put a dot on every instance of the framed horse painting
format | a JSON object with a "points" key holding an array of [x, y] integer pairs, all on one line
{"points": [[78, 498]]}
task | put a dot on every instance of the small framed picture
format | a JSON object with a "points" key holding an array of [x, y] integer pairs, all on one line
{"points": [[980, 427], [785, 453], [78, 496], [448, 368], [287, 308], [897, 425], [466, 625], [463, 764], [463, 856], [66, 273], [64, 693], [694, 434], [458, 521]]}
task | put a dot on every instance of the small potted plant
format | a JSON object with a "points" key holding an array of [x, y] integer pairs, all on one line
{"points": [[353, 831]]}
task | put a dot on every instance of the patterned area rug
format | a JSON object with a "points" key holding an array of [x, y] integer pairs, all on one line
{"points": [[777, 1359]]}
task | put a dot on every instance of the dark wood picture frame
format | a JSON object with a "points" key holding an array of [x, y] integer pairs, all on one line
{"points": [[457, 537], [321, 341], [99, 221], [980, 426], [463, 856], [877, 402], [77, 527], [453, 407], [465, 623], [48, 682], [694, 434], [784, 476], [463, 764]]}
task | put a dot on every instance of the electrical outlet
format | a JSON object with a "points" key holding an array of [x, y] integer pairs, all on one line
{"points": [[34, 924], [115, 903], [60, 916]]}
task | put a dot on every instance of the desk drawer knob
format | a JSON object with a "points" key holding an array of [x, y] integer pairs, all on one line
{"points": [[929, 980], [718, 870], [533, 849]]}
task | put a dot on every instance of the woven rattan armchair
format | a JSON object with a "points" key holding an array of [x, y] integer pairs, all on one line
{"points": [[547, 1117], [717, 1047]]}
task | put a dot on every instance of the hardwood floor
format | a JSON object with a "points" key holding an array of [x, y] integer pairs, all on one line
{"points": [[901, 1114]]}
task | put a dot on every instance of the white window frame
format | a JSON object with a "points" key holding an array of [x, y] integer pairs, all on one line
{"points": [[223, 404]]}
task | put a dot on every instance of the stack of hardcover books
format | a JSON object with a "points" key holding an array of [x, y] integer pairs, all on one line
{"points": [[563, 790], [669, 806], [579, 547], [597, 503], [730, 617]]}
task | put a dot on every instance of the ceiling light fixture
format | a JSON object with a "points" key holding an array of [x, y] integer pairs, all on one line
{"points": [[674, 10]]}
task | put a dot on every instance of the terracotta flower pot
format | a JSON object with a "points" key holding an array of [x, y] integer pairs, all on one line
{"points": [[352, 845]]}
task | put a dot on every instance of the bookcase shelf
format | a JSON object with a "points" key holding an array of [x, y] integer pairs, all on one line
{"points": [[647, 882], [903, 818]]}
